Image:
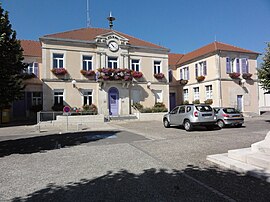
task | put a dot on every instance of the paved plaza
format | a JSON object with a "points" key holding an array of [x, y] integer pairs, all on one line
{"points": [[126, 161]]}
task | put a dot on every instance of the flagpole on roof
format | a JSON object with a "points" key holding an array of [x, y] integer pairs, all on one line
{"points": [[88, 24]]}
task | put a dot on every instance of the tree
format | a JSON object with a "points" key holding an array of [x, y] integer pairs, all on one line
{"points": [[264, 71], [11, 63]]}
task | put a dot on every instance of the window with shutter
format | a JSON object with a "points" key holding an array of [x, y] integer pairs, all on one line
{"points": [[228, 65], [237, 65], [36, 72], [204, 68]]}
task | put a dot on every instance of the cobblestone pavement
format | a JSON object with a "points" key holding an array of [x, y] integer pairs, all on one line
{"points": [[126, 161]]}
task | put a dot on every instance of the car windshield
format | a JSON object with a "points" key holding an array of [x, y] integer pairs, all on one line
{"points": [[204, 108], [230, 111]]}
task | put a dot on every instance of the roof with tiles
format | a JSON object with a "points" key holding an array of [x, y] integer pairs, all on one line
{"points": [[31, 48], [210, 48], [89, 34], [174, 58]]}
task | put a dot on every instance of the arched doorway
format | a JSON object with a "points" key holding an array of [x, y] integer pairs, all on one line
{"points": [[113, 101]]}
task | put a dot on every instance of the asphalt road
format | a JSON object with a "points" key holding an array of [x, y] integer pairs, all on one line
{"points": [[127, 161]]}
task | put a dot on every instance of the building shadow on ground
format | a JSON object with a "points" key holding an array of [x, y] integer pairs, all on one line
{"points": [[18, 123], [191, 184], [51, 142]]}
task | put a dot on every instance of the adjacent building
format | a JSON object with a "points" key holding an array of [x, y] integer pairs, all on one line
{"points": [[219, 74], [31, 100]]}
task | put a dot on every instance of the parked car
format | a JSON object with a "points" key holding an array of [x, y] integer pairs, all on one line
{"points": [[190, 116], [228, 116]]}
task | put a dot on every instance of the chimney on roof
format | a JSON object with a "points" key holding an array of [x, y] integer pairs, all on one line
{"points": [[111, 19]]}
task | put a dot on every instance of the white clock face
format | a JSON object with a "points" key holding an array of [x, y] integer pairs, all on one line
{"points": [[113, 46]]}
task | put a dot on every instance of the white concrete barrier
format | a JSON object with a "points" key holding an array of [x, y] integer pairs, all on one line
{"points": [[151, 116], [83, 119]]}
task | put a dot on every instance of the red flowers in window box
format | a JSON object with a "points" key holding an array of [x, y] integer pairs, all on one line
{"points": [[246, 75], [159, 76], [137, 74], [200, 78], [59, 71], [88, 72], [234, 75], [114, 74], [127, 78]]}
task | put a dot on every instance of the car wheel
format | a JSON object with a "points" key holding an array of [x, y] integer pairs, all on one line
{"points": [[220, 124], [239, 125], [166, 123], [187, 125]]}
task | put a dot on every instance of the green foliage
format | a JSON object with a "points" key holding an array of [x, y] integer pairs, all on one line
{"points": [[11, 65], [158, 107], [196, 102], [264, 71], [92, 109], [208, 101], [146, 110], [186, 102], [138, 106]]}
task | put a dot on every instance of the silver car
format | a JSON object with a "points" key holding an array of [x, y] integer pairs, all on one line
{"points": [[228, 116], [190, 116]]}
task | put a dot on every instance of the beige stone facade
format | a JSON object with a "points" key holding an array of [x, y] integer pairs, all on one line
{"points": [[73, 51], [216, 65]]}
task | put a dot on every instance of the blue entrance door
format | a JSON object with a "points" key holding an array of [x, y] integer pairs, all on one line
{"points": [[172, 101], [240, 102], [113, 101]]}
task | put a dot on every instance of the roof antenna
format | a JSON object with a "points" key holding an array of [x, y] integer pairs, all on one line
{"points": [[88, 24], [111, 19]]}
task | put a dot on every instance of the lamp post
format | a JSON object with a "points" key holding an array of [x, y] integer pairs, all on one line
{"points": [[149, 85], [74, 83]]}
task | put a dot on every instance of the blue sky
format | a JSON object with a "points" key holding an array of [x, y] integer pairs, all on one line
{"points": [[181, 25]]}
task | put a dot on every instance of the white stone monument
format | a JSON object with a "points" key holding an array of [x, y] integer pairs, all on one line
{"points": [[254, 161]]}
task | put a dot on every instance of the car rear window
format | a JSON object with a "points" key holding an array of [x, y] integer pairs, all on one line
{"points": [[230, 111], [204, 108]]}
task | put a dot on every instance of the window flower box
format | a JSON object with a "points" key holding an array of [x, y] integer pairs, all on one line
{"points": [[159, 76], [137, 74], [196, 101], [88, 73], [200, 78], [59, 71], [183, 81], [208, 101], [127, 78], [246, 75], [114, 74], [234, 75]]}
